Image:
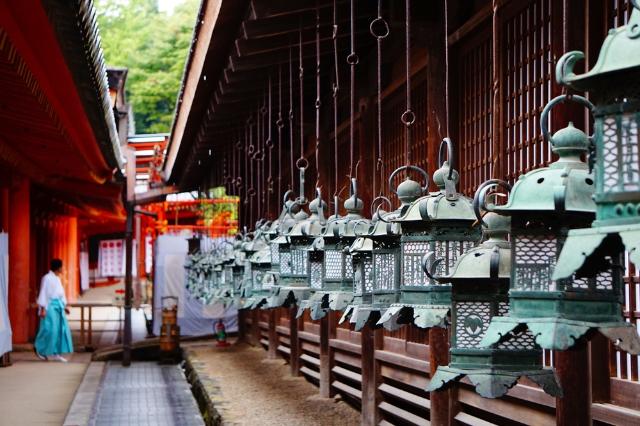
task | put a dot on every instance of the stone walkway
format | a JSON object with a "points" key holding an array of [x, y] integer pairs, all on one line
{"points": [[145, 393]]}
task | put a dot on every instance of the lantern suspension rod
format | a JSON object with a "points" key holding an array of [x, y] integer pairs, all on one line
{"points": [[269, 146], [446, 66], [379, 28], [336, 90], [256, 161], [408, 117], [302, 164], [495, 125], [352, 60], [280, 125], [291, 114], [318, 101]]}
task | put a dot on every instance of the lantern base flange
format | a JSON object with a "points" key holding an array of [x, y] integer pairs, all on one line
{"points": [[491, 383], [360, 315], [316, 304], [562, 334], [423, 316]]}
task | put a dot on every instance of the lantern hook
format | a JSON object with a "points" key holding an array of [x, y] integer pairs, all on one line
{"points": [[544, 124], [479, 199], [429, 265], [383, 200], [355, 227]]}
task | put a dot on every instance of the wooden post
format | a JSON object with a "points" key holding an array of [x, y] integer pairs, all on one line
{"points": [[255, 327], [440, 413], [572, 367], [241, 325], [371, 339], [294, 345], [19, 252], [327, 332], [599, 348], [273, 336]]}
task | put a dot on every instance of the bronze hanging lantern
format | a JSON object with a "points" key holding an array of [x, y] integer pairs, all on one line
{"points": [[480, 285], [544, 205], [436, 230]]}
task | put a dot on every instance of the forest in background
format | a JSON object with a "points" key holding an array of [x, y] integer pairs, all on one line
{"points": [[154, 46]]}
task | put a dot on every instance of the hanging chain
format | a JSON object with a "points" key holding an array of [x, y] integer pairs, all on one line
{"points": [[280, 124], [379, 28], [336, 90], [408, 117], [352, 60], [318, 101]]}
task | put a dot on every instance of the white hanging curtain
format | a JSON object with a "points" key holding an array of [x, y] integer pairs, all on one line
{"points": [[5, 325]]}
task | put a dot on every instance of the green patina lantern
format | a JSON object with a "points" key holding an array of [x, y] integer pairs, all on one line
{"points": [[260, 266], [293, 286], [480, 284], [244, 286], [614, 86], [330, 263], [380, 250], [544, 205], [436, 230]]}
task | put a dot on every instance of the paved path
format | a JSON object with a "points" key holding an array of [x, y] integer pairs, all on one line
{"points": [[34, 392], [145, 393]]}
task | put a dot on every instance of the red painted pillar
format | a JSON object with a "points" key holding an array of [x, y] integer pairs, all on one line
{"points": [[19, 265], [73, 258]]}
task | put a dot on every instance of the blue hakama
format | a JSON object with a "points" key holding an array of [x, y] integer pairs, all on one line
{"points": [[54, 335]]}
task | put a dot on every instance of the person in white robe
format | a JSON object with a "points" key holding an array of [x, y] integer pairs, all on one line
{"points": [[54, 335]]}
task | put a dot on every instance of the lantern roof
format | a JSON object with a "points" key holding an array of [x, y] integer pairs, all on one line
{"points": [[619, 54], [361, 245], [384, 225], [491, 260], [261, 257], [313, 225]]}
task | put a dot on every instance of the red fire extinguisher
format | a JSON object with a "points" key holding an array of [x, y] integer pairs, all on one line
{"points": [[221, 334]]}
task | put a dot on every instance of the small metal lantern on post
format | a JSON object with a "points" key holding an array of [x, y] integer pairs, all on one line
{"points": [[480, 283], [544, 205], [436, 230], [260, 266]]}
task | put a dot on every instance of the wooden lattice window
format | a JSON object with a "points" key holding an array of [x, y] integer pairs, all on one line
{"points": [[527, 70]]}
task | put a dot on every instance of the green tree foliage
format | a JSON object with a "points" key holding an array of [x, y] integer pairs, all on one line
{"points": [[153, 45]]}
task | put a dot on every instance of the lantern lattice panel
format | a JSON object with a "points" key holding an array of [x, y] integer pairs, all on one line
{"points": [[333, 264], [275, 253], [299, 261], [472, 320], [535, 260], [518, 341], [363, 278], [315, 274], [285, 262], [450, 251], [412, 272], [257, 280], [368, 275], [384, 266], [348, 266], [621, 171]]}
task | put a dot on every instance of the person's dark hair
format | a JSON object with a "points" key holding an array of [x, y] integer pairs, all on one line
{"points": [[56, 265]]}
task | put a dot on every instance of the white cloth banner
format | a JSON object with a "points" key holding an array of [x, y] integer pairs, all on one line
{"points": [[84, 271], [112, 258], [5, 325], [194, 318]]}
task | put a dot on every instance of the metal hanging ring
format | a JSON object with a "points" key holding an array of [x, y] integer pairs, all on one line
{"points": [[239, 146], [408, 118], [268, 143], [263, 110], [355, 227], [430, 269], [379, 28], [414, 168], [286, 196], [318, 103], [239, 181], [544, 123], [280, 122], [251, 149], [353, 59], [479, 197], [446, 142], [258, 155], [251, 192], [302, 163]]}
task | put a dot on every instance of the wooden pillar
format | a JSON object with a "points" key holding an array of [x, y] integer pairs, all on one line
{"points": [[255, 327], [273, 335], [73, 254], [371, 339], [294, 343], [599, 354], [327, 332], [440, 412], [19, 251], [572, 367]]}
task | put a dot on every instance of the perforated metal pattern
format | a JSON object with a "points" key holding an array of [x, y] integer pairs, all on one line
{"points": [[519, 341], [333, 264], [357, 280], [368, 274], [603, 281], [412, 273], [621, 172], [535, 259], [275, 253], [299, 261], [450, 251], [348, 266], [285, 262], [384, 271], [472, 320], [315, 274], [257, 280]]}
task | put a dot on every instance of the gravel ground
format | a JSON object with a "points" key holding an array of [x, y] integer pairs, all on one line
{"points": [[259, 391]]}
